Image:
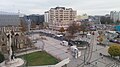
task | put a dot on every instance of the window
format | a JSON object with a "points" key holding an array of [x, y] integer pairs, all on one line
{"points": [[2, 39], [61, 10]]}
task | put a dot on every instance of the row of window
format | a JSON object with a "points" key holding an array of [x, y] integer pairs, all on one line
{"points": [[62, 15], [62, 19], [61, 11], [9, 28]]}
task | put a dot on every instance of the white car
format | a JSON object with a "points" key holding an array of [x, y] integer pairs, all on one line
{"points": [[64, 43], [59, 35]]}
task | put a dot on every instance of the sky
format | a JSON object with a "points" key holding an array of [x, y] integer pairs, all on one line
{"points": [[90, 7]]}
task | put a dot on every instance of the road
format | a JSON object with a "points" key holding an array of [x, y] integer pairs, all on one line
{"points": [[53, 47], [95, 60]]}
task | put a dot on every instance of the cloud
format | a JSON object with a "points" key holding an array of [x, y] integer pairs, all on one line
{"points": [[39, 6]]}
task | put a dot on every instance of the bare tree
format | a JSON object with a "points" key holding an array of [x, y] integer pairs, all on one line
{"points": [[33, 25], [84, 27], [23, 26], [62, 30], [73, 28]]}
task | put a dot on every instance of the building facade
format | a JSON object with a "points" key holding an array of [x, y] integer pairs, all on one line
{"points": [[9, 21], [37, 19], [115, 16], [60, 16], [82, 17], [18, 42], [9, 27], [46, 16], [3, 42]]}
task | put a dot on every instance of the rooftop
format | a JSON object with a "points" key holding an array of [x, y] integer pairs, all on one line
{"points": [[61, 8], [7, 13]]}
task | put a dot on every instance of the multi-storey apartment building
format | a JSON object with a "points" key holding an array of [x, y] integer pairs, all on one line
{"points": [[60, 16]]}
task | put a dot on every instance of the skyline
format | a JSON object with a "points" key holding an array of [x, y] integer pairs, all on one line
{"points": [[90, 7]]}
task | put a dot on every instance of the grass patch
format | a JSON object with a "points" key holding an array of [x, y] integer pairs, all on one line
{"points": [[39, 58]]}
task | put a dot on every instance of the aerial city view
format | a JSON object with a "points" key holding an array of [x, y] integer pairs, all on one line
{"points": [[59, 33]]}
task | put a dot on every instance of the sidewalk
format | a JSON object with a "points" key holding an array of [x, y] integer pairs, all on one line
{"points": [[27, 52]]}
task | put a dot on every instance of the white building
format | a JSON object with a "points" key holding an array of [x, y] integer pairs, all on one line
{"points": [[46, 16], [60, 16], [115, 16]]}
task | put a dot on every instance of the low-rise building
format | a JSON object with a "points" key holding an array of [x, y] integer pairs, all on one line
{"points": [[9, 21]]}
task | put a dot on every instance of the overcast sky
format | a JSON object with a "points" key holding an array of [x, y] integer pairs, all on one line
{"points": [[91, 7]]}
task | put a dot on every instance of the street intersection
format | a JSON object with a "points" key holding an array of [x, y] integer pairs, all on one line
{"points": [[53, 47]]}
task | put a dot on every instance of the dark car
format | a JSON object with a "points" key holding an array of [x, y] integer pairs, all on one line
{"points": [[114, 41], [80, 43]]}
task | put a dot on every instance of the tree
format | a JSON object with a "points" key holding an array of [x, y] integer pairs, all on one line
{"points": [[114, 50], [106, 20], [118, 22], [62, 30], [84, 27], [73, 28], [33, 25], [2, 58], [23, 26], [103, 19], [101, 40], [109, 21]]}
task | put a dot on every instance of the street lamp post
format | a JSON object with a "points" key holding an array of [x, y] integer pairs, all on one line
{"points": [[43, 45]]}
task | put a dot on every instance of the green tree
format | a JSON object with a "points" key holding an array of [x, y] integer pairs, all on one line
{"points": [[114, 50], [103, 20], [62, 30], [106, 20]]}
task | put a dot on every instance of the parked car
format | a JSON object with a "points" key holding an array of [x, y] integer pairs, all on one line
{"points": [[64, 43], [114, 41], [59, 35], [118, 42]]}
